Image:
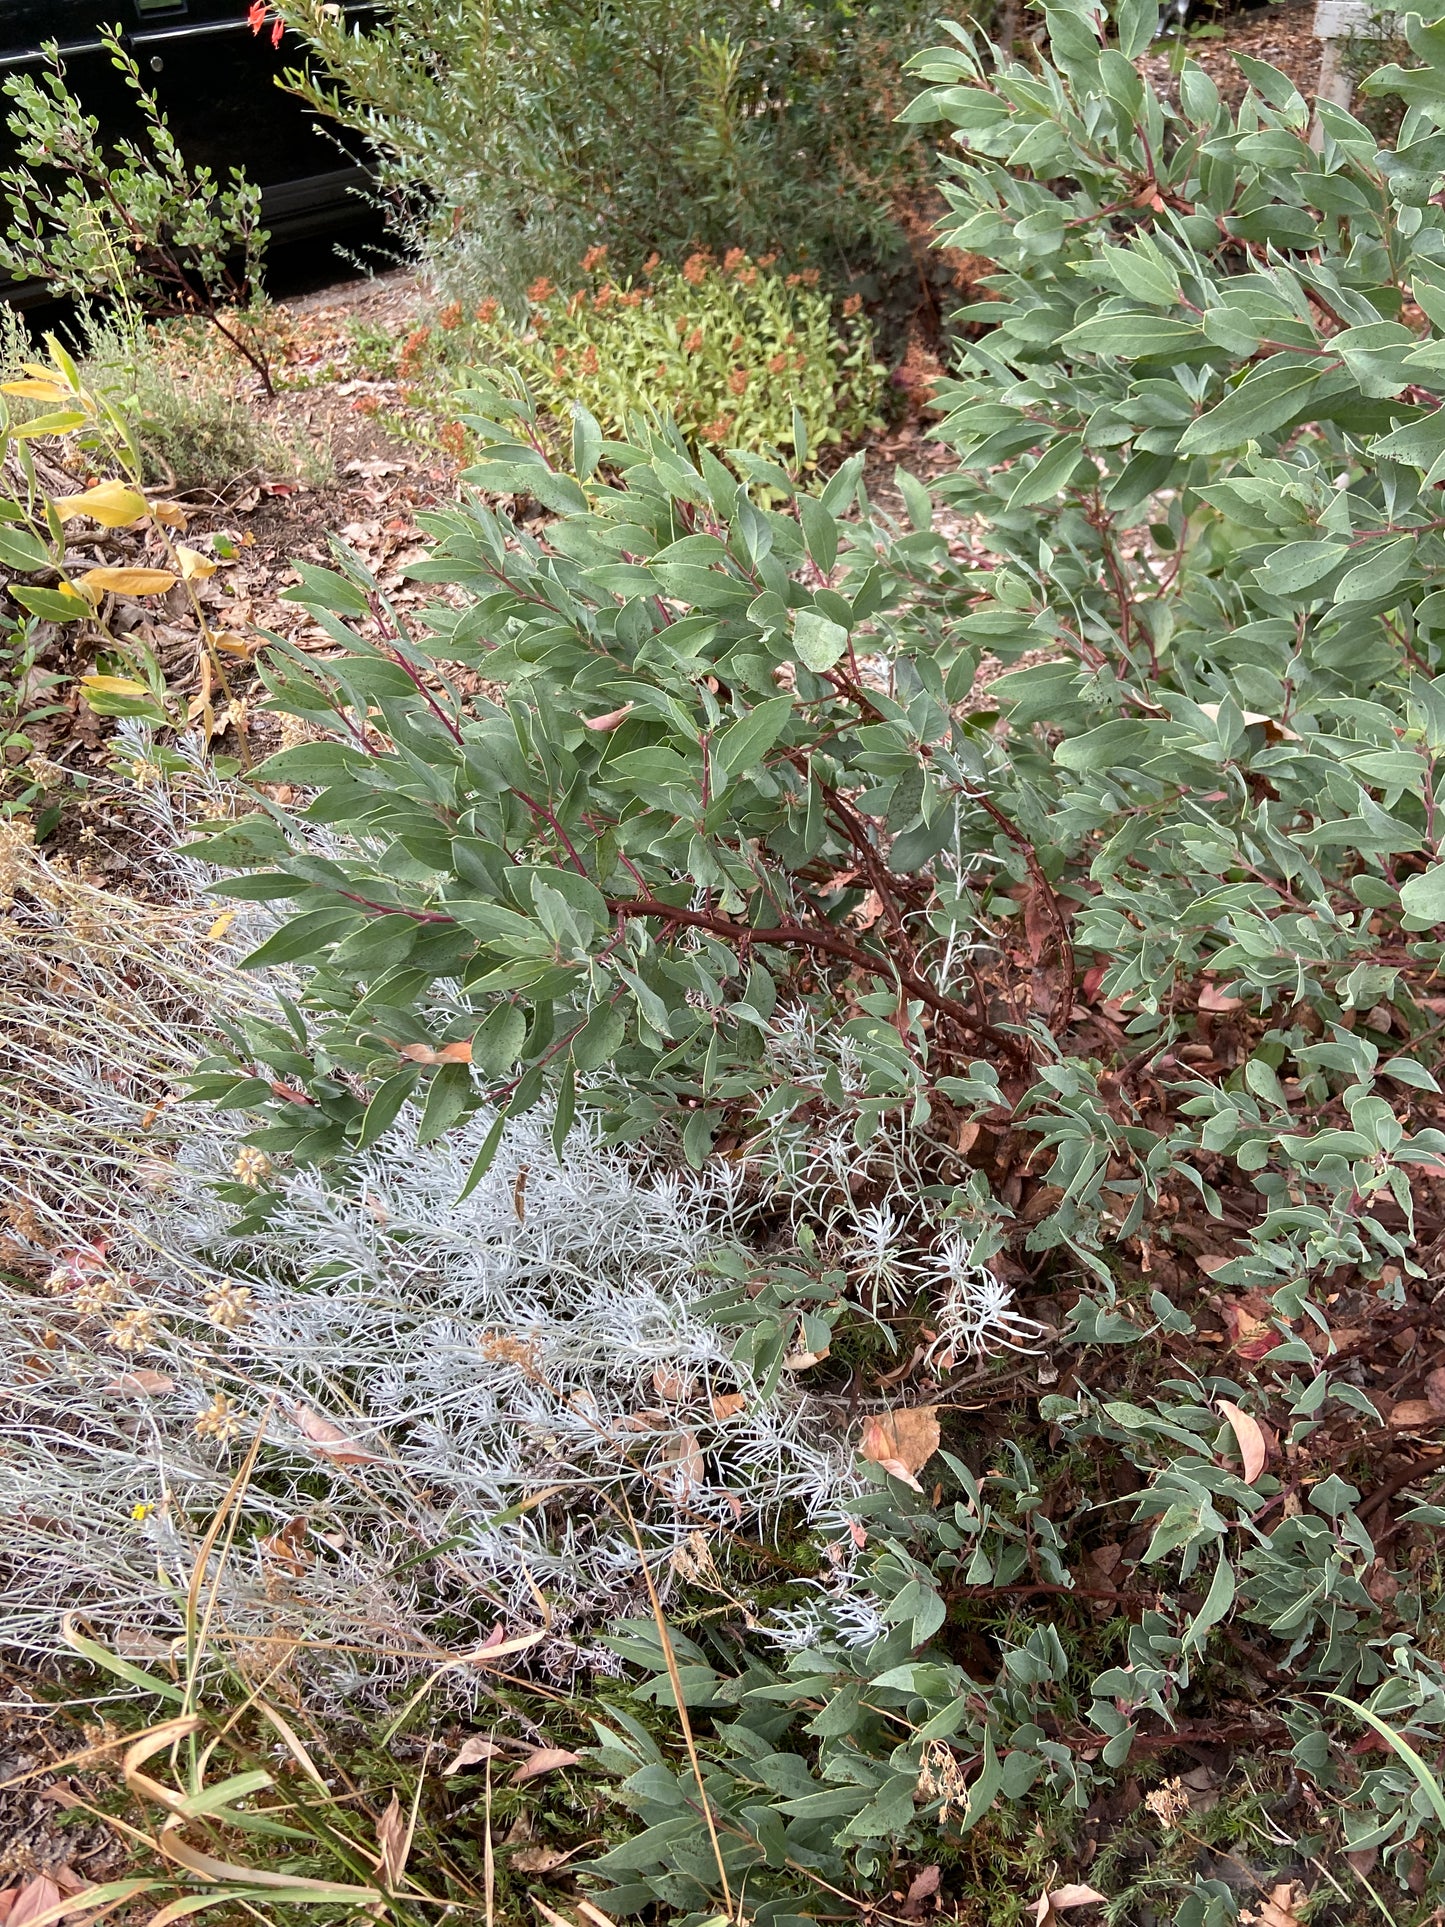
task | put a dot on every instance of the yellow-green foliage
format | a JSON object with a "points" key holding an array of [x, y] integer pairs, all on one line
{"points": [[729, 348]]}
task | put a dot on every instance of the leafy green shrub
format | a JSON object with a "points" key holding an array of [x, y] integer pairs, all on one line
{"points": [[521, 136], [1146, 926], [130, 222], [728, 350]]}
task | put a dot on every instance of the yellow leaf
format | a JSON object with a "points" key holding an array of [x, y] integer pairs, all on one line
{"points": [[113, 686], [36, 390], [195, 567], [128, 581], [171, 513], [110, 503]]}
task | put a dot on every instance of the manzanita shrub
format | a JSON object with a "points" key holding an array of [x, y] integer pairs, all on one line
{"points": [[699, 753]]}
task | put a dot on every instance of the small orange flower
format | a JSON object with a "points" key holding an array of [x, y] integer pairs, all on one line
{"points": [[661, 372], [632, 299], [693, 342], [767, 260], [795, 280], [736, 343], [694, 270], [809, 277], [853, 304], [682, 324], [561, 356], [589, 359], [593, 258], [747, 276], [541, 290], [777, 364], [487, 311], [800, 362], [450, 316], [734, 259], [738, 381], [453, 438], [604, 297], [651, 262], [717, 431], [367, 404]]}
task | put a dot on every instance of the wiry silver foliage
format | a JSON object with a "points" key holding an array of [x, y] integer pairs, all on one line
{"points": [[457, 1404]]}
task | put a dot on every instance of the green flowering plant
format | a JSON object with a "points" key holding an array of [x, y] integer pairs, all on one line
{"points": [[728, 349]]}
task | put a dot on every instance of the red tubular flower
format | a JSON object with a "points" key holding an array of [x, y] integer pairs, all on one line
{"points": [[278, 27], [256, 15]]}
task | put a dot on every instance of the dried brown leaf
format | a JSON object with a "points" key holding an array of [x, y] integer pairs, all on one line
{"points": [[37, 1895], [472, 1752], [393, 1842], [727, 1405], [902, 1442], [1435, 1388], [331, 1440], [543, 1759], [610, 720], [1049, 1906], [142, 1383], [455, 1053], [1250, 1439], [1415, 1412]]}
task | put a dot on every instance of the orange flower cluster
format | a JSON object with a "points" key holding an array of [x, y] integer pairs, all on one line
{"points": [[593, 259], [453, 438], [487, 311], [853, 305], [412, 350], [777, 364], [719, 430], [450, 316], [738, 381], [694, 269], [589, 363], [541, 290], [808, 278], [693, 342]]}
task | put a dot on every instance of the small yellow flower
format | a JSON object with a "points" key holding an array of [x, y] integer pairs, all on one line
{"points": [[133, 1331], [141, 1511], [229, 1305], [219, 1420], [252, 1166]]}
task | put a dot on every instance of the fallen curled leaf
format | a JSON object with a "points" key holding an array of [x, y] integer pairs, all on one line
{"points": [[670, 1385], [472, 1752], [967, 1135], [901, 1442], [457, 1053], [142, 1383], [543, 1759], [195, 567], [36, 1897], [1415, 1411], [728, 1404], [923, 1886], [1435, 1388], [1211, 1261], [537, 1859], [393, 1842], [1211, 997], [1281, 1909], [802, 1361], [1249, 1437], [101, 582], [1250, 1333], [237, 645], [329, 1439], [1049, 1906], [685, 1452], [170, 513], [610, 720]]}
